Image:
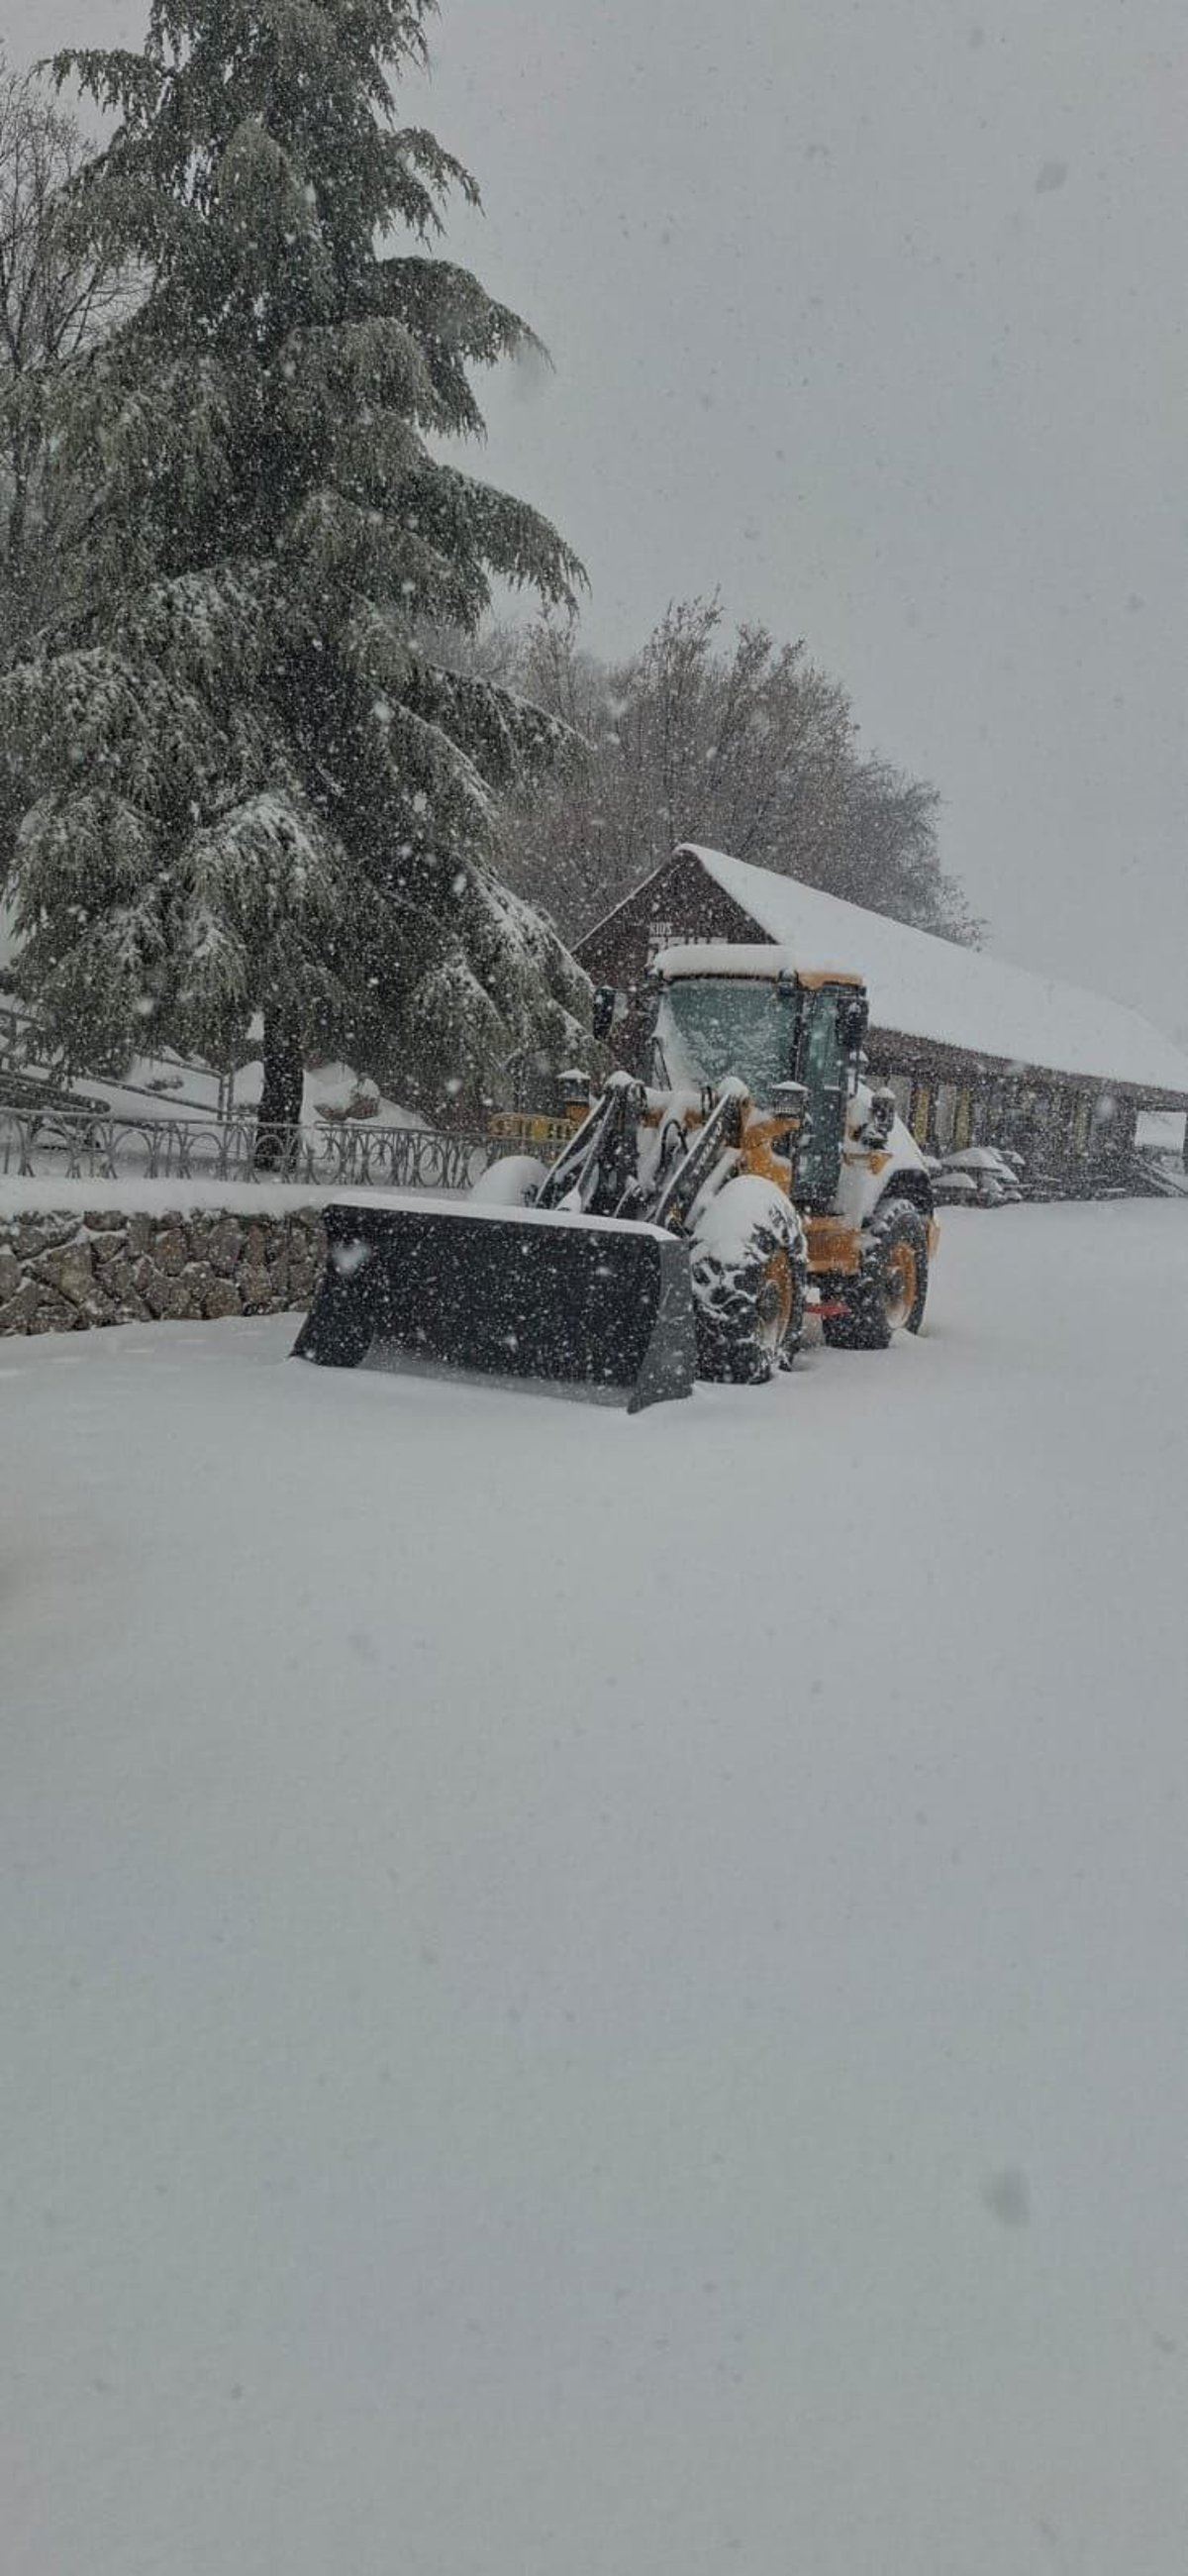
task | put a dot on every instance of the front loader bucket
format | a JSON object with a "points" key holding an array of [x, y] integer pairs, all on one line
{"points": [[581, 1301]]}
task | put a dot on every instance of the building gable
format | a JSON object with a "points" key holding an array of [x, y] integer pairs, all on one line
{"points": [[680, 903]]}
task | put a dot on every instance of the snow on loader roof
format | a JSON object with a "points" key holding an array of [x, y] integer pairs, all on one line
{"points": [[762, 963]]}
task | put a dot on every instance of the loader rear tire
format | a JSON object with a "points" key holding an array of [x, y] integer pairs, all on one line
{"points": [[750, 1276], [889, 1293]]}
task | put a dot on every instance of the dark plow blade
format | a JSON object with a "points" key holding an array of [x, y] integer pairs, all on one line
{"points": [[540, 1296]]}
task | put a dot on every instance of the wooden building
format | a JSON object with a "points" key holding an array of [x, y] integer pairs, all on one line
{"points": [[977, 1052]]}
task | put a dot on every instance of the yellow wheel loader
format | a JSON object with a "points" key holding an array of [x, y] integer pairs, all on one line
{"points": [[734, 1176]]}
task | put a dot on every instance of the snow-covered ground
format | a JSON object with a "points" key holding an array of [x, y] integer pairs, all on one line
{"points": [[169, 1087], [588, 1997]]}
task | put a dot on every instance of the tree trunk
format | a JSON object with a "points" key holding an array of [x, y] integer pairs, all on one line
{"points": [[281, 1096]]}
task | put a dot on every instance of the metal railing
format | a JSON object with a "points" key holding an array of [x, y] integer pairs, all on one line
{"points": [[83, 1146]]}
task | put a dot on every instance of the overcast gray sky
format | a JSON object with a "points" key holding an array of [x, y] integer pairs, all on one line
{"points": [[871, 315]]}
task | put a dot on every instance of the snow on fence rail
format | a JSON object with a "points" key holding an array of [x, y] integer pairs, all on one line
{"points": [[84, 1146]]}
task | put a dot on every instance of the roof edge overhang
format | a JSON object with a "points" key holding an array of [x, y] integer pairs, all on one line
{"points": [[941, 1056]]}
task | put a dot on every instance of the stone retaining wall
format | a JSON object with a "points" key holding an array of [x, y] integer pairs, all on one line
{"points": [[63, 1273]]}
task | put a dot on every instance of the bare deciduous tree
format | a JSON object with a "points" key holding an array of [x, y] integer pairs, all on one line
{"points": [[748, 747]]}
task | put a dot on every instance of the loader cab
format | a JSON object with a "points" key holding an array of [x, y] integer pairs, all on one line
{"points": [[766, 1023], [706, 1028]]}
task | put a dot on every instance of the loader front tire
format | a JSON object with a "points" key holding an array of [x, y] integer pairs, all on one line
{"points": [[749, 1280], [889, 1292]]}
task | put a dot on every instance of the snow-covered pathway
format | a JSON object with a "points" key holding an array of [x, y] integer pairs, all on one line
{"points": [[588, 1997]]}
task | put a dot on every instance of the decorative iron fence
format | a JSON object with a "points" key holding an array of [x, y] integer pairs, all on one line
{"points": [[43, 1141]]}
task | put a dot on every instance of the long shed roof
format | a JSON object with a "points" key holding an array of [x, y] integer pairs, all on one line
{"points": [[926, 988]]}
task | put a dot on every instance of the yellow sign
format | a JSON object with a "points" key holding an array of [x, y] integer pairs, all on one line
{"points": [[532, 1133]]}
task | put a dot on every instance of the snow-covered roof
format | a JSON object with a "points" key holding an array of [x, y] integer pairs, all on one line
{"points": [[921, 987]]}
